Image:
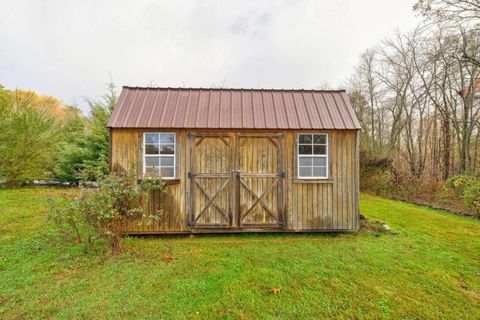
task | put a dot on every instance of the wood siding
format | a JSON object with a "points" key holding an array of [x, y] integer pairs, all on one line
{"points": [[305, 205], [126, 154], [330, 204]]}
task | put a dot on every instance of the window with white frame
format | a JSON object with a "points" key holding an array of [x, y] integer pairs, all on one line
{"points": [[312, 161], [159, 154]]}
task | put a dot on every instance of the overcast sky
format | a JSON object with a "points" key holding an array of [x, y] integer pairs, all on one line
{"points": [[68, 48]]}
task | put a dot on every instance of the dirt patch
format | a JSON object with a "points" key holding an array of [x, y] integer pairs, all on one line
{"points": [[375, 227], [470, 292]]}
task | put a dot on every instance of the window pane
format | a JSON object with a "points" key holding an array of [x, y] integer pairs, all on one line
{"points": [[320, 138], [320, 161], [152, 161], [319, 149], [305, 138], [151, 138], [305, 161], [305, 171], [320, 172], [167, 138], [155, 144], [305, 149], [151, 149], [166, 161], [152, 170], [167, 172], [167, 149]]}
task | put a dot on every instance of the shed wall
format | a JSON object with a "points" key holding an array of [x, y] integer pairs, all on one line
{"points": [[320, 205]]}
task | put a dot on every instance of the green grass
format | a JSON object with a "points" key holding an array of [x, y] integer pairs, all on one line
{"points": [[429, 269]]}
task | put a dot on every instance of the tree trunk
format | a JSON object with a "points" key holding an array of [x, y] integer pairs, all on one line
{"points": [[475, 154], [116, 243], [446, 141]]}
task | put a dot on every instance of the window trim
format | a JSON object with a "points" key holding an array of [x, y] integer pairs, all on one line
{"points": [[174, 155], [326, 156]]}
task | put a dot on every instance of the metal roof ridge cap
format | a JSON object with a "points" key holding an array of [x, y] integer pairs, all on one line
{"points": [[235, 89]]}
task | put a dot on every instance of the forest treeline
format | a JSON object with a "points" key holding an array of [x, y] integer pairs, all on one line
{"points": [[42, 139], [417, 96]]}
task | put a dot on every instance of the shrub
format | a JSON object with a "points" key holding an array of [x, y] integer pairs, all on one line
{"points": [[471, 197], [376, 174], [103, 209], [69, 222], [375, 180], [462, 188], [459, 183]]}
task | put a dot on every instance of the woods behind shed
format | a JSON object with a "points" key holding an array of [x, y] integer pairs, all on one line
{"points": [[240, 160]]}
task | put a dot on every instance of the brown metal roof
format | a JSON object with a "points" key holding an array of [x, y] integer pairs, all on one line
{"points": [[232, 109]]}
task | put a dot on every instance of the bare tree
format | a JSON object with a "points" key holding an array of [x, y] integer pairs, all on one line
{"points": [[453, 13]]}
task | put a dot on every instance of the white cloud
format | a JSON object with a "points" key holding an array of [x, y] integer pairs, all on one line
{"points": [[68, 48]]}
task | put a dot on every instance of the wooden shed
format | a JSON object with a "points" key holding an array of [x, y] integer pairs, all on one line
{"points": [[240, 160]]}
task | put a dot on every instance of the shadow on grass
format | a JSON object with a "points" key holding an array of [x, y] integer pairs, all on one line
{"points": [[249, 235]]}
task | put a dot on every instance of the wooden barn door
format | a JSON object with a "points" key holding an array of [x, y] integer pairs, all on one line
{"points": [[210, 176], [260, 175], [236, 180]]}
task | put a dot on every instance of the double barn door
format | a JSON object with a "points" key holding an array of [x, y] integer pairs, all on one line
{"points": [[236, 180]]}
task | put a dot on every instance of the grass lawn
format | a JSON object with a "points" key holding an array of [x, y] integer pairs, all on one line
{"points": [[429, 269]]}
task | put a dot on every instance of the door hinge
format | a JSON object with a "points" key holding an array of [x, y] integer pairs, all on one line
{"points": [[190, 223], [281, 174], [281, 223], [190, 175]]}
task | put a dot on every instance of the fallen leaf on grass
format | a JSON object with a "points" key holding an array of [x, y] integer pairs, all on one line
{"points": [[196, 252], [167, 259], [275, 290]]}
